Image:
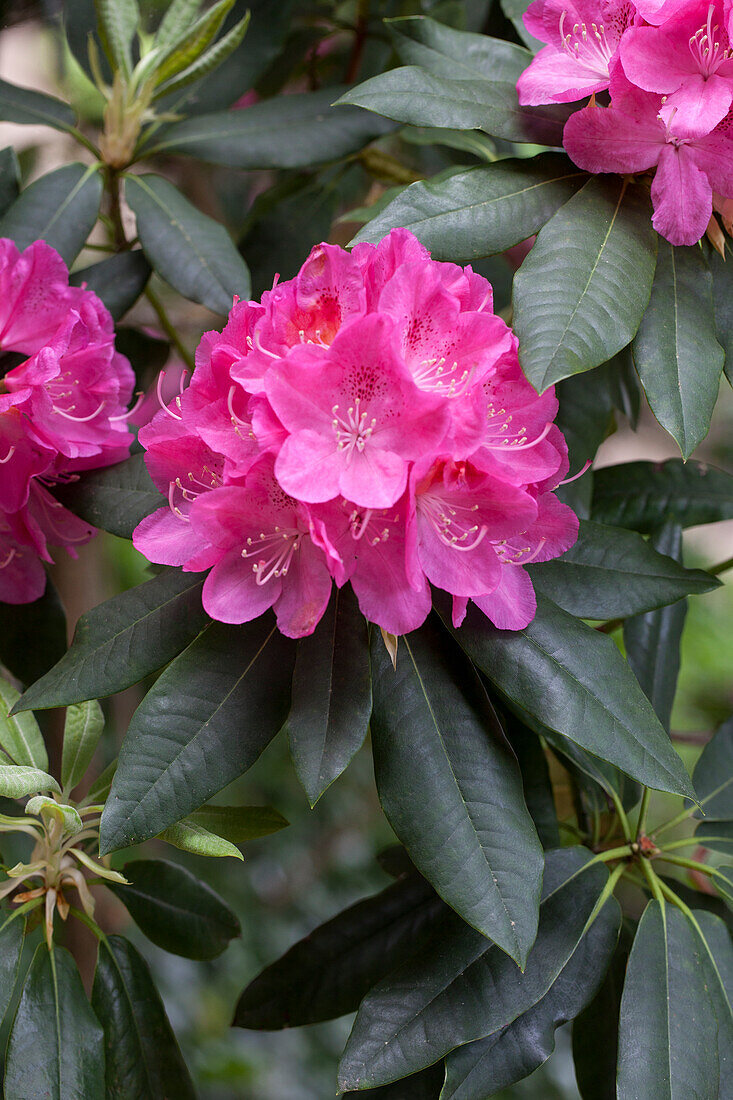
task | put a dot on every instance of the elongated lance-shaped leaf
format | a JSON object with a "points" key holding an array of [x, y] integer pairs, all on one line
{"points": [[16, 781], [82, 730], [192, 43], [514, 10], [451, 787], [33, 635], [652, 641], [538, 792], [141, 1052], [211, 60], [190, 837], [28, 107], [573, 680], [581, 292], [114, 498], [459, 55], [644, 495], [12, 932], [481, 211], [205, 722], [117, 22], [332, 695], [55, 1046], [119, 280], [717, 835], [124, 639], [717, 955], [238, 824], [587, 402], [713, 775], [60, 208], [722, 272], [595, 1030], [613, 573], [667, 1021], [326, 974], [676, 350], [20, 735], [463, 987], [177, 18]]}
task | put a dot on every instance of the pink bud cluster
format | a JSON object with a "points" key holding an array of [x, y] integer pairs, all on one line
{"points": [[667, 66], [367, 422], [62, 409]]}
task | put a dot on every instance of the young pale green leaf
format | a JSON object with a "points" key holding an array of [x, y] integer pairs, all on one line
{"points": [[190, 837], [98, 869], [717, 954], [573, 680], [191, 251], [581, 292], [667, 1021], [458, 55], [192, 41], [114, 498], [55, 1047], [141, 1052], [20, 736], [117, 22], [41, 805], [33, 635], [99, 790], [12, 933], [28, 107], [462, 987], [451, 788], [118, 281], [124, 639], [332, 695], [176, 910], [652, 641], [177, 19], [644, 495], [676, 351], [293, 131], [9, 178], [211, 60], [60, 208], [713, 775], [722, 272], [481, 211], [326, 974], [612, 573], [16, 781], [204, 723], [239, 824], [595, 1030], [82, 730]]}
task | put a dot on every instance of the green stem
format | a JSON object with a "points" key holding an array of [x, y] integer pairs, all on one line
{"points": [[606, 893], [675, 899], [688, 842], [643, 812], [612, 853], [722, 567], [691, 864], [168, 328], [653, 880], [92, 925], [682, 816], [621, 813]]}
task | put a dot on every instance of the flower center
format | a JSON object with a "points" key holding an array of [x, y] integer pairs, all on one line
{"points": [[191, 487], [353, 430], [438, 376], [453, 524], [707, 48], [505, 436], [272, 552], [587, 44]]}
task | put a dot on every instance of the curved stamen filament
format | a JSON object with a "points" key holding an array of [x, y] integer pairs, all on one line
{"points": [[449, 525], [352, 431], [80, 419], [280, 546], [12, 552], [520, 442], [359, 521], [8, 456], [161, 402], [579, 473], [130, 412], [521, 557]]}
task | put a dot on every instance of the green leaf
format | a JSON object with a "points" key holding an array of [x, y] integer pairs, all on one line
{"points": [[676, 352], [20, 736], [644, 495], [33, 635], [205, 722], [481, 1069], [12, 932], [414, 96], [717, 835], [190, 837], [141, 1053], [462, 987], [118, 281], [573, 680], [332, 695], [31, 108], [451, 788], [581, 292], [612, 573], [652, 641], [211, 60], [595, 1030], [124, 639], [326, 974], [425, 1085], [536, 780], [293, 131], [191, 41], [99, 790], [717, 953], [191, 251], [114, 498], [9, 178], [445, 51], [55, 1047], [713, 775], [82, 730], [177, 18], [514, 10], [176, 910], [43, 806], [722, 272], [118, 20], [481, 211], [587, 402], [667, 1020], [60, 208], [239, 824]]}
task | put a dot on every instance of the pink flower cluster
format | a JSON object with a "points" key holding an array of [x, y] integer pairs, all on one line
{"points": [[668, 68], [368, 421], [62, 408]]}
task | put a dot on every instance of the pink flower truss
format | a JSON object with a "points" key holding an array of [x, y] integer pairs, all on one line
{"points": [[62, 409], [366, 423]]}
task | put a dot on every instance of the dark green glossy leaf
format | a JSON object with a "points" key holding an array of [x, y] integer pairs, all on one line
{"points": [[722, 272], [652, 641], [191, 251], [581, 292], [667, 1021], [587, 403], [644, 495], [293, 131], [425, 1085], [573, 680], [31, 108], [12, 930], [595, 1030], [176, 910], [142, 1056], [612, 573], [33, 635], [458, 55], [717, 952], [481, 1069], [514, 10], [209, 62], [326, 974], [481, 211], [118, 281], [124, 639], [204, 722], [9, 178], [536, 780], [713, 775], [239, 824], [332, 695], [717, 835], [451, 788], [60, 208], [114, 498], [676, 352], [55, 1047]]}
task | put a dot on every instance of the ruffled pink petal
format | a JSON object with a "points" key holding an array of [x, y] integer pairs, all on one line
{"points": [[655, 60], [306, 591], [682, 197], [167, 539], [556, 77], [698, 105], [231, 593], [309, 467], [373, 478], [603, 139], [512, 604]]}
